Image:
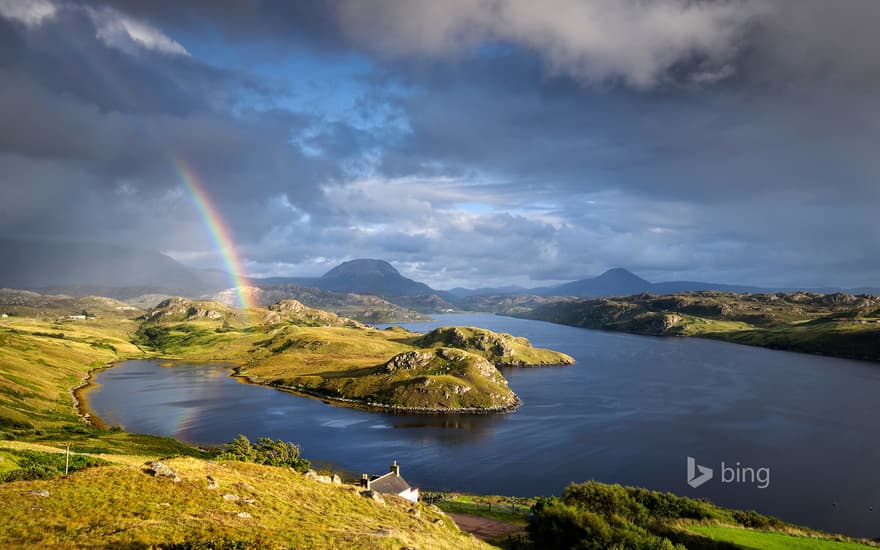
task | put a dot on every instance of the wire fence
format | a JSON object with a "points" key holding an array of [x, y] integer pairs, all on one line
{"points": [[483, 508]]}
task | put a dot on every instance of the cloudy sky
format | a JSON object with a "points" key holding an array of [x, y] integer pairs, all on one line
{"points": [[470, 142]]}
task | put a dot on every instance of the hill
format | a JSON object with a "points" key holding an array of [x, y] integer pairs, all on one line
{"points": [[223, 504], [66, 267], [371, 277], [614, 282], [838, 324], [313, 352], [363, 308]]}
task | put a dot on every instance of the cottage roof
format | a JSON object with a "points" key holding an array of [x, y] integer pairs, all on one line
{"points": [[390, 483]]}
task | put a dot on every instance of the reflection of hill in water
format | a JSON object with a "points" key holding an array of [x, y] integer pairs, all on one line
{"points": [[448, 429]]}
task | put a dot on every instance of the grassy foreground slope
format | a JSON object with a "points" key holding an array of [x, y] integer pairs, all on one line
{"points": [[841, 325], [252, 506]]}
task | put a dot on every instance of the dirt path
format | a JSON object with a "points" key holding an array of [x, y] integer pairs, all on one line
{"points": [[484, 528]]}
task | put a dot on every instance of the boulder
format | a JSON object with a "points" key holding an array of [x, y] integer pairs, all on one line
{"points": [[159, 469], [312, 474]]}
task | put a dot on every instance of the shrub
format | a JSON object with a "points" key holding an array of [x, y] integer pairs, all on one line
{"points": [[265, 451], [37, 465]]}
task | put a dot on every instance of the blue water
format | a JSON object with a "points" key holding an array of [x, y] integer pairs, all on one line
{"points": [[630, 411]]}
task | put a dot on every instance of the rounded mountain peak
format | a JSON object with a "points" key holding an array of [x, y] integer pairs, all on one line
{"points": [[621, 274], [362, 267]]}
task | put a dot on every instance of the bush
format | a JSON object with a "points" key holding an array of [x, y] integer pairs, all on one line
{"points": [[265, 451], [36, 465]]}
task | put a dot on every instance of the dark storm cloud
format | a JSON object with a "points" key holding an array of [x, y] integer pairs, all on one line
{"points": [[484, 141]]}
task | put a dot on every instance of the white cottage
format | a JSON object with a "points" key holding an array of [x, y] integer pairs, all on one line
{"points": [[390, 484]]}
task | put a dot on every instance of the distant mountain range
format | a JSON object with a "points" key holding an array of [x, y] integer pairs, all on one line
{"points": [[622, 282], [123, 272]]}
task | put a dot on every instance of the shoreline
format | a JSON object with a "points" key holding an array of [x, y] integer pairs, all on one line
{"points": [[80, 401], [81, 406]]}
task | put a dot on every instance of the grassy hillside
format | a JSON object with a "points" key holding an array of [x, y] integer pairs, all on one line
{"points": [[830, 324], [253, 506], [110, 500], [49, 343]]}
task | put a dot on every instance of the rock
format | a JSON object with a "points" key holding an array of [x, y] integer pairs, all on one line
{"points": [[311, 474], [164, 505], [383, 532], [212, 483], [38, 493], [415, 512], [231, 498], [249, 501], [373, 495], [409, 360], [336, 480], [244, 515], [292, 306], [245, 486], [158, 469]]}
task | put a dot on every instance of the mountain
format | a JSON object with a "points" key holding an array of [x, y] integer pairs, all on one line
{"points": [[90, 267], [614, 282], [371, 277]]}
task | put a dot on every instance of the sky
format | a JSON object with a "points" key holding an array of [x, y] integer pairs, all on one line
{"points": [[469, 142]]}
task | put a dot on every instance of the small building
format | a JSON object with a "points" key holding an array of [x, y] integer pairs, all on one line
{"points": [[76, 317], [390, 484]]}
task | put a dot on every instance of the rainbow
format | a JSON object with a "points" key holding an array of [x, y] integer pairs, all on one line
{"points": [[219, 231]]}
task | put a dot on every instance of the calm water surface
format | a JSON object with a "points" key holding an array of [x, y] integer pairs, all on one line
{"points": [[630, 411]]}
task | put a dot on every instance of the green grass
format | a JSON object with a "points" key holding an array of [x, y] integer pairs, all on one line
{"points": [[7, 462], [123, 506], [515, 514], [766, 540]]}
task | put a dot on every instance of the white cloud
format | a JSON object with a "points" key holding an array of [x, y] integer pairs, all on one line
{"points": [[30, 12], [122, 32], [634, 41]]}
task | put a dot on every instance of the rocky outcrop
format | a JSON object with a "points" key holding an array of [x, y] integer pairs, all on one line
{"points": [[331, 479], [494, 344], [411, 360], [288, 306], [181, 309]]}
